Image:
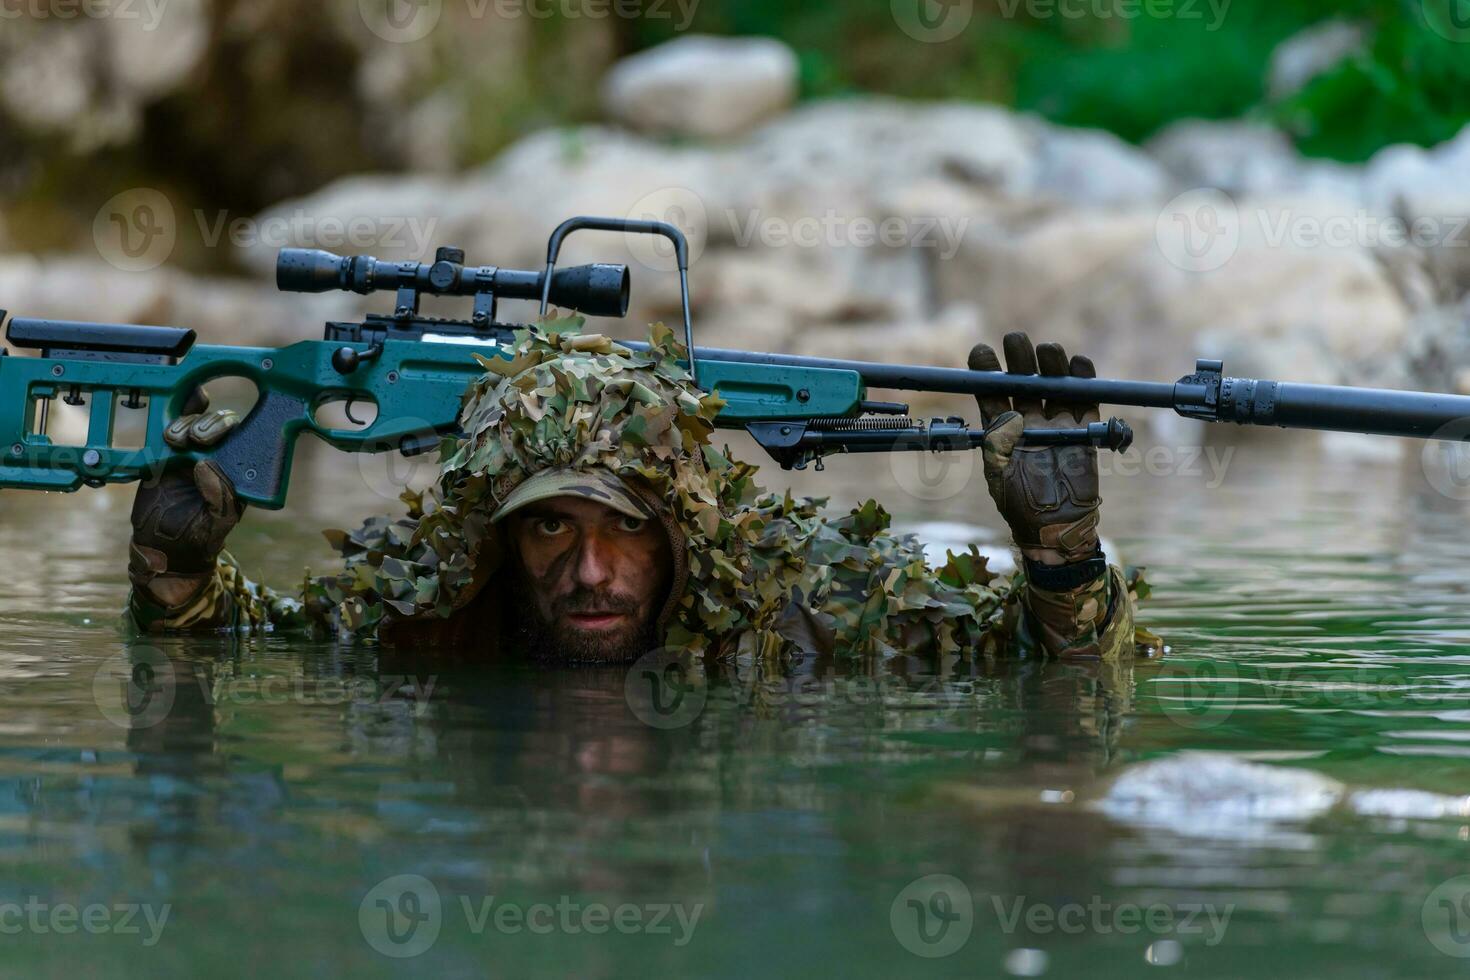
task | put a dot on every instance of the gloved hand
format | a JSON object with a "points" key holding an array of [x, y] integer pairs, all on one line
{"points": [[182, 516], [1048, 495]]}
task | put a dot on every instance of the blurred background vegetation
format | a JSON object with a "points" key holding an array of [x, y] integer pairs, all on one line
{"points": [[1132, 75], [281, 104]]}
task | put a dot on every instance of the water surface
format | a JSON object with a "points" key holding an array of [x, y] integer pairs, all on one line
{"points": [[1296, 767]]}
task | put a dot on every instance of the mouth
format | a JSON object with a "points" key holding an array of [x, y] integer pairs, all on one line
{"points": [[597, 621]]}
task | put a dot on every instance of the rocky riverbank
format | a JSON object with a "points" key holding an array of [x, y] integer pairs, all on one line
{"points": [[877, 228]]}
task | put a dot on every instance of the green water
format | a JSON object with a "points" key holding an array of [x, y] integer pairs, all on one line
{"points": [[1316, 614]]}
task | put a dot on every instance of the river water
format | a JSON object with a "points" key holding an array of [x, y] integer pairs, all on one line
{"points": [[1283, 793]]}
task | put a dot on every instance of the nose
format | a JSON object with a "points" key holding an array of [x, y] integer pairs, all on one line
{"points": [[595, 559]]}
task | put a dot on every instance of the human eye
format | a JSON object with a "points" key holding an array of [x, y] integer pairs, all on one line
{"points": [[631, 524], [550, 526]]}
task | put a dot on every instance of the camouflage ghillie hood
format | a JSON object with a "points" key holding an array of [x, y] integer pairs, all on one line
{"points": [[565, 399]]}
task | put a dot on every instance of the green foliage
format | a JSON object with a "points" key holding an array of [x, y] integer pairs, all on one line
{"points": [[1132, 66]]}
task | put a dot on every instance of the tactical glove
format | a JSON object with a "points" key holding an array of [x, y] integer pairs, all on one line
{"points": [[1047, 494], [182, 516]]}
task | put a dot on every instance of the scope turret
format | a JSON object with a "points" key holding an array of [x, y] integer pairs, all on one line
{"points": [[599, 290]]}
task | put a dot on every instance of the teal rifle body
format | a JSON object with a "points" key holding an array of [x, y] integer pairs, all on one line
{"points": [[797, 408], [417, 387]]}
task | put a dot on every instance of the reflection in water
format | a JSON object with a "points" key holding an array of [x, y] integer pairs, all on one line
{"points": [[1316, 613]]}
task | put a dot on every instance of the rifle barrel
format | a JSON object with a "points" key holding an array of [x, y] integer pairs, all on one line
{"points": [[1205, 395]]}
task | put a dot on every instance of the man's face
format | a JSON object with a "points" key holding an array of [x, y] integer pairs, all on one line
{"points": [[593, 579]]}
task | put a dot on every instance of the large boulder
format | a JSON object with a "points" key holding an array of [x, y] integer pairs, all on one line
{"points": [[702, 86], [1109, 282]]}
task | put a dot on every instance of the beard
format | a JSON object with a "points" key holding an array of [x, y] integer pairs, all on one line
{"points": [[554, 640]]}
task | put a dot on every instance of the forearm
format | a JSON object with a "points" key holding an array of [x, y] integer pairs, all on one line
{"points": [[1092, 620]]}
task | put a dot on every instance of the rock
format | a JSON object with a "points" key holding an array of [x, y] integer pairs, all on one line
{"points": [[1236, 157], [702, 86], [1099, 281], [45, 81], [1094, 168], [152, 52], [1211, 794], [1311, 52]]}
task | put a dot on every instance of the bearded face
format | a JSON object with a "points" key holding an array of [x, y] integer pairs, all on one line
{"points": [[591, 580]]}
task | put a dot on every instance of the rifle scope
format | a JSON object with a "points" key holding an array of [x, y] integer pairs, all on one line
{"points": [[598, 290]]}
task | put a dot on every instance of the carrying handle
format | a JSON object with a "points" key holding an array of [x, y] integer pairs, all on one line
{"points": [[627, 225]]}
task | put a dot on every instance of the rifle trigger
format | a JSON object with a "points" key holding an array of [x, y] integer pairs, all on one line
{"points": [[348, 411]]}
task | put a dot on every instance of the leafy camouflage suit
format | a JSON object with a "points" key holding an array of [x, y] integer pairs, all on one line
{"points": [[753, 572]]}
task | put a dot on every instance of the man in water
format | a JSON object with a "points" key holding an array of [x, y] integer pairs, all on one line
{"points": [[585, 516]]}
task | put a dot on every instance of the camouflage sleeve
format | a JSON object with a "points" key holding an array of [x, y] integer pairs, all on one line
{"points": [[872, 591], [228, 601], [1095, 621]]}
